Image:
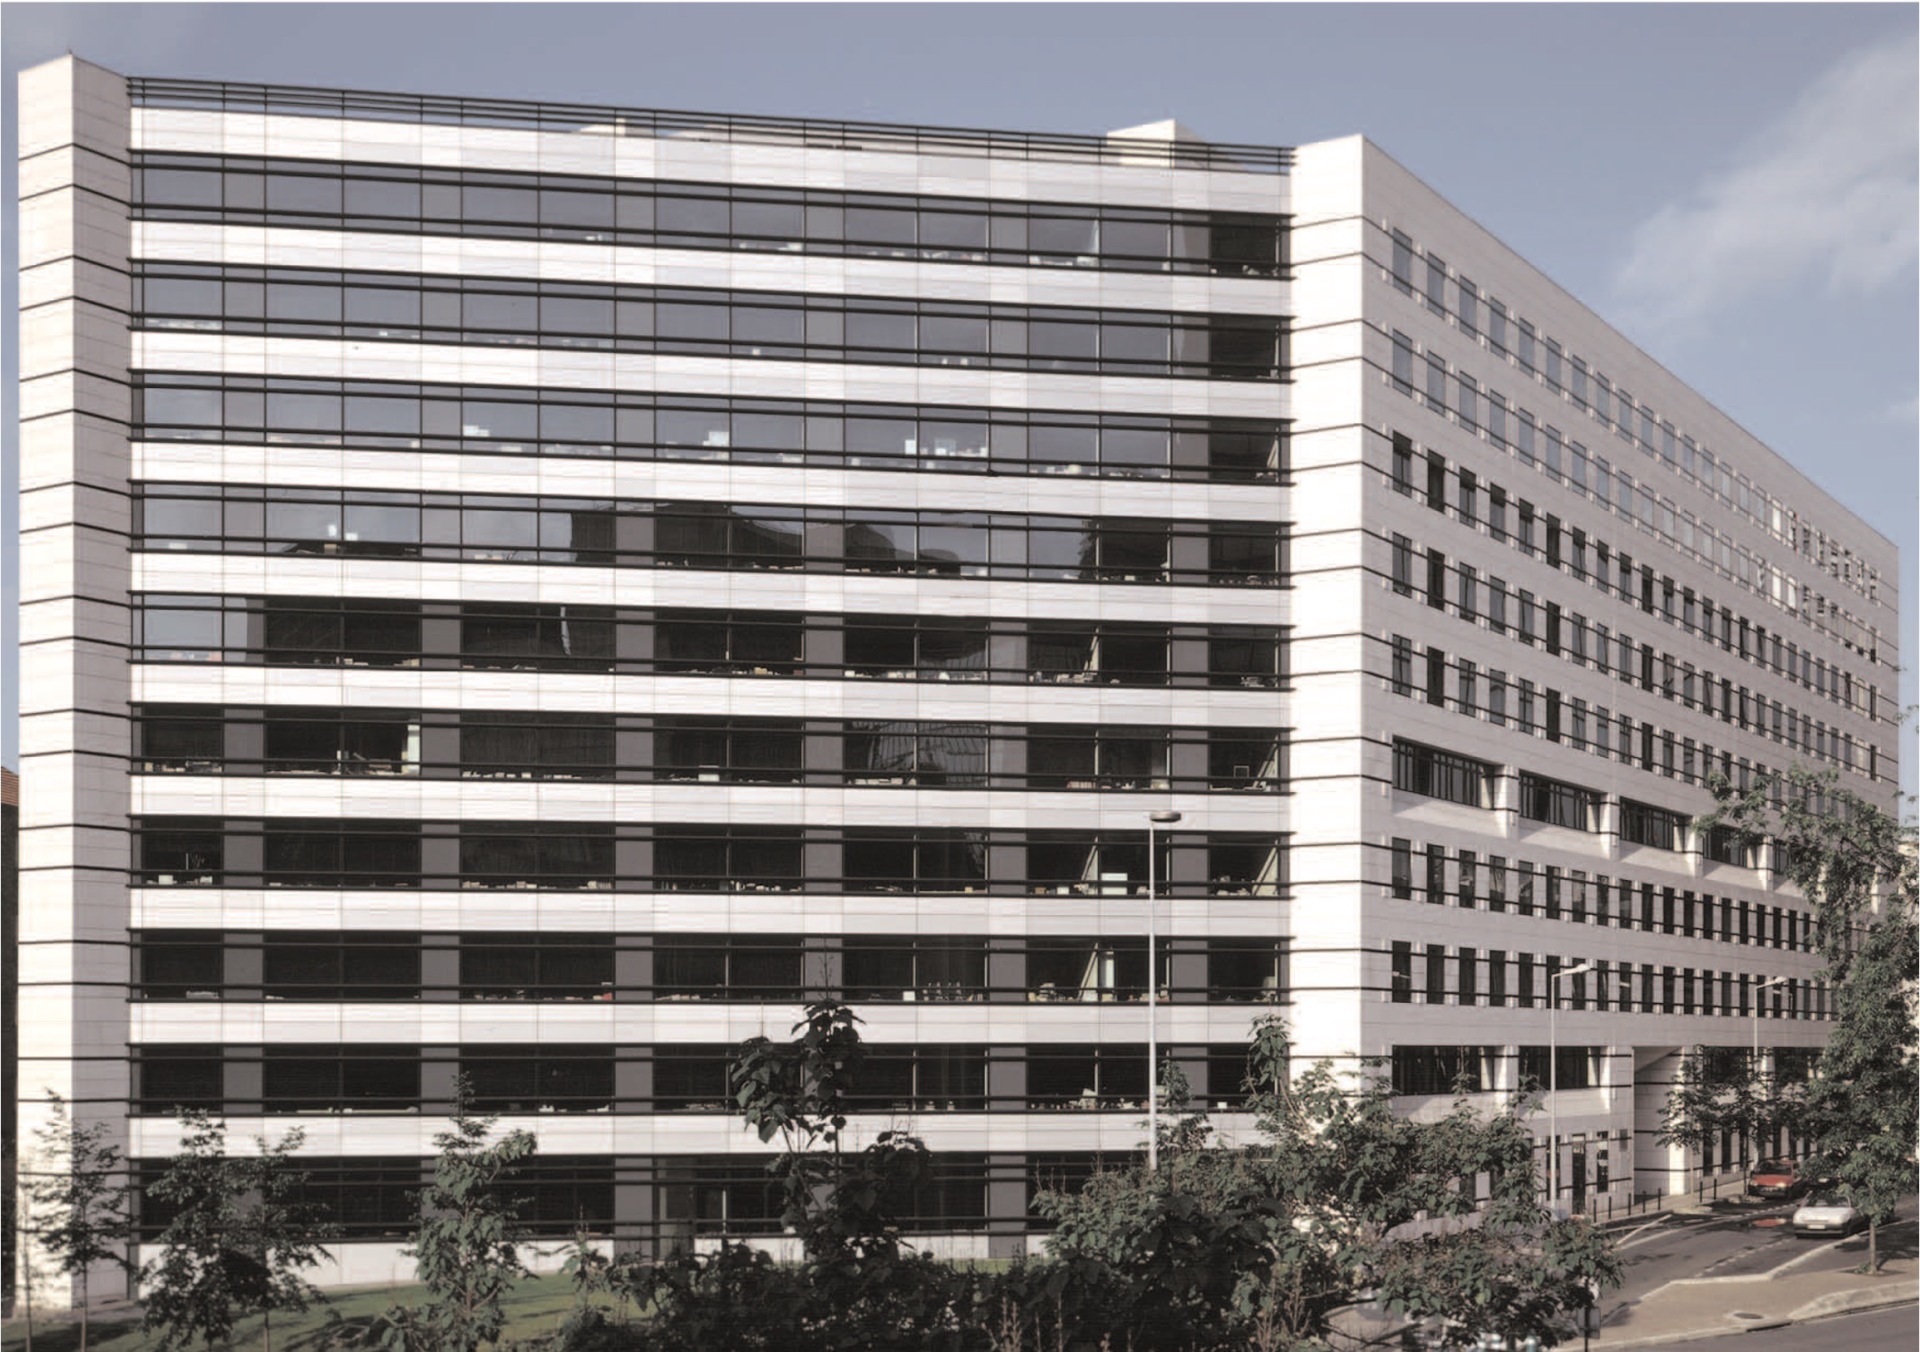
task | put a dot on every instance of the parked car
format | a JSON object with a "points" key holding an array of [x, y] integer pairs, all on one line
{"points": [[1776, 1178], [1827, 1213]]}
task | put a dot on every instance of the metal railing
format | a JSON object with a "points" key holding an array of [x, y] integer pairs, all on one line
{"points": [[603, 120]]}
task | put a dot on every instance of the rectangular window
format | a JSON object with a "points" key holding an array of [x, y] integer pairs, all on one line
{"points": [[1402, 262], [1402, 363], [1402, 866], [1402, 973], [1403, 463], [1447, 775], [1402, 678], [1436, 974], [1570, 1067], [1644, 824], [1557, 803], [1436, 285], [1439, 1070]]}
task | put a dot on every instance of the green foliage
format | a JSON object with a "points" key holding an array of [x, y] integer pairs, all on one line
{"points": [[1721, 1091], [466, 1249], [1861, 1111], [855, 1288], [1856, 864], [191, 1286], [78, 1215], [1226, 1246], [277, 1231], [1339, 1200], [239, 1241]]}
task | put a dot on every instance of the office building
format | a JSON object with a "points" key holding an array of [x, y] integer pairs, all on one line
{"points": [[537, 592]]}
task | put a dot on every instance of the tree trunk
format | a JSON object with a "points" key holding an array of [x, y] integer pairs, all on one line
{"points": [[83, 1309], [1873, 1245], [266, 1329]]}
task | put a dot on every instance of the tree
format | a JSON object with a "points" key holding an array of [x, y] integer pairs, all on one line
{"points": [[467, 1247], [1727, 1091], [80, 1199], [1339, 1200], [1861, 1110], [855, 1287], [239, 1239], [1855, 864], [192, 1286], [276, 1230]]}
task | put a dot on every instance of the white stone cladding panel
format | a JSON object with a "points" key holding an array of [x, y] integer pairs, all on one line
{"points": [[813, 697], [1555, 315], [509, 910], [580, 585], [669, 1023], [369, 1135], [567, 800], [73, 560], [562, 476], [330, 359]]}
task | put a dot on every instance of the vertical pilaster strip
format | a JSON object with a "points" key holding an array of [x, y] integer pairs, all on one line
{"points": [[75, 517]]}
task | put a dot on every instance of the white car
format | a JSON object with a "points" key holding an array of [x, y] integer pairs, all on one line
{"points": [[1827, 1213]]}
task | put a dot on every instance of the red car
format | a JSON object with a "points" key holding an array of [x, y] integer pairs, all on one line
{"points": [[1776, 1178]]}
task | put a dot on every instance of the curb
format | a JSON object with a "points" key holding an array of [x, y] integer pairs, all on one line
{"points": [[1848, 1302], [1855, 1301]]}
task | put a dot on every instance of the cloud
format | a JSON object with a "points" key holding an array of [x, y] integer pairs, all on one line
{"points": [[1829, 188]]}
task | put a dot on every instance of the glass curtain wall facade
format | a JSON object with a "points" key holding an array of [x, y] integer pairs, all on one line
{"points": [[583, 590]]}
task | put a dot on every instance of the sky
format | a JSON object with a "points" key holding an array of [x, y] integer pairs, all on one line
{"points": [[1732, 186]]}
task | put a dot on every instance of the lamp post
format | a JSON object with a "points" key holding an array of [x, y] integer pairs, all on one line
{"points": [[1553, 1079], [1753, 1067], [1155, 820]]}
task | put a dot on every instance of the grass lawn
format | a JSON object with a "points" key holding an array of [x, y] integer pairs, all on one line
{"points": [[536, 1306]]}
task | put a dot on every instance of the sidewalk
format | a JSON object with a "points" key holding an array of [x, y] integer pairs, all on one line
{"points": [[1701, 1307]]}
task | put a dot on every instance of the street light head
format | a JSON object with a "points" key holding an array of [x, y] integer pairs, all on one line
{"points": [[1581, 970], [1163, 818]]}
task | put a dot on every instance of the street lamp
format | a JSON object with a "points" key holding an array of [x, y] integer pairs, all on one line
{"points": [[1155, 820], [1553, 1079], [1753, 1067], [1770, 981]]}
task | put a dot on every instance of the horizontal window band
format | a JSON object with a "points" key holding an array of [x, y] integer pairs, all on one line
{"points": [[446, 744], [332, 522], [661, 213], [177, 851], [522, 420], [414, 307], [332, 631]]}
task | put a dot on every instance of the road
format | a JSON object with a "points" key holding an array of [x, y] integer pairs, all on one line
{"points": [[1895, 1330], [1714, 1246]]}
